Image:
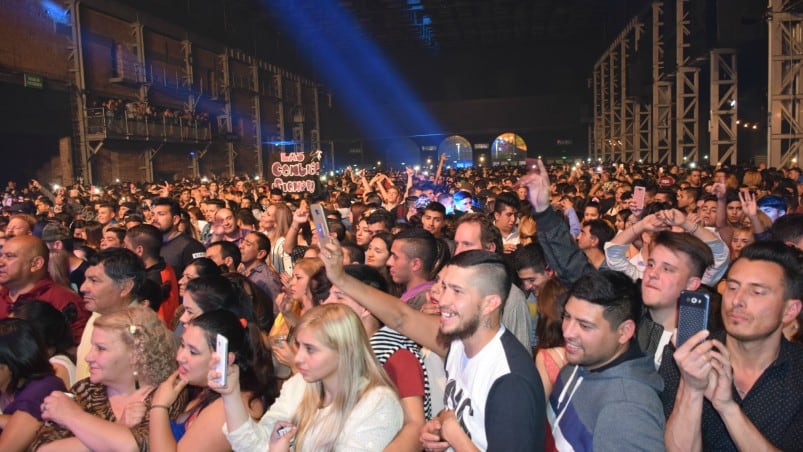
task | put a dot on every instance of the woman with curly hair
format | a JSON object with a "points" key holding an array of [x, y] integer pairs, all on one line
{"points": [[132, 353]]}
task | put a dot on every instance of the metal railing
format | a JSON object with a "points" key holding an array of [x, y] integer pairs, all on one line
{"points": [[101, 121]]}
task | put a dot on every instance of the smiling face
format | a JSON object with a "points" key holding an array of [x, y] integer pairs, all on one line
{"points": [[591, 341], [459, 303], [109, 359], [193, 356]]}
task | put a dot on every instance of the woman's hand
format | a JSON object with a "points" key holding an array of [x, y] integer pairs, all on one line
{"points": [[284, 353], [134, 411], [59, 408], [283, 433], [169, 390], [232, 385]]}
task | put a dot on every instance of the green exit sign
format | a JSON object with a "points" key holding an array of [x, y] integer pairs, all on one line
{"points": [[34, 81]]}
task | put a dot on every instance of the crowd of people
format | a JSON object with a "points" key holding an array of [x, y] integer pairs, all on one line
{"points": [[119, 109], [503, 308]]}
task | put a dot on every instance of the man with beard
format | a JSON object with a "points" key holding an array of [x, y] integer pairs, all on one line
{"points": [[494, 399], [737, 391], [178, 249]]}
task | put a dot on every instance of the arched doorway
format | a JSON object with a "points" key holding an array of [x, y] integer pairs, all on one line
{"points": [[508, 149], [458, 151]]}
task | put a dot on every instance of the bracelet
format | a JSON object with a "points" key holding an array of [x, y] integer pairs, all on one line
{"points": [[166, 408]]}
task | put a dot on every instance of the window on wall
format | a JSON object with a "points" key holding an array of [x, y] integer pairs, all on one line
{"points": [[508, 148], [458, 152]]}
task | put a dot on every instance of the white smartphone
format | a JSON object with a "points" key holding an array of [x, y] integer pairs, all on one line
{"points": [[222, 350]]}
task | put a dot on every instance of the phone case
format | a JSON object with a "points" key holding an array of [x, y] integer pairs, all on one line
{"points": [[692, 314]]}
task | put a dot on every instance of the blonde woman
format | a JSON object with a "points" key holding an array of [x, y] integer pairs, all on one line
{"points": [[132, 353], [275, 223], [345, 401]]}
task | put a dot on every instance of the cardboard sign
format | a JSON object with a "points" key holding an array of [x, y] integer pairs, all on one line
{"points": [[295, 172]]}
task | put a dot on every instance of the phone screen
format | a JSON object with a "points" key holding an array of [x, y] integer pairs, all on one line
{"points": [[692, 314]]}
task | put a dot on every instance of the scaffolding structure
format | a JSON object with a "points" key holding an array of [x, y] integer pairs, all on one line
{"points": [[785, 76], [724, 107], [667, 131]]}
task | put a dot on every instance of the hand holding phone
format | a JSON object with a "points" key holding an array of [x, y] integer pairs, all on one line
{"points": [[639, 193], [222, 350], [693, 310], [321, 224]]}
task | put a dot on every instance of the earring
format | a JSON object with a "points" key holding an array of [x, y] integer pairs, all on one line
{"points": [[136, 380]]}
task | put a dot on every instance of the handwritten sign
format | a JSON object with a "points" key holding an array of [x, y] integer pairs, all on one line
{"points": [[295, 172]]}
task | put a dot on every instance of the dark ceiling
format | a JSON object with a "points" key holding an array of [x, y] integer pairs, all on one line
{"points": [[577, 30]]}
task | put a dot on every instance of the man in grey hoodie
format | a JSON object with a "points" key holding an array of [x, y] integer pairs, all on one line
{"points": [[606, 399]]}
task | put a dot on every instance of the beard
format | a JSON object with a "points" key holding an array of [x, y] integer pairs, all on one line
{"points": [[462, 331]]}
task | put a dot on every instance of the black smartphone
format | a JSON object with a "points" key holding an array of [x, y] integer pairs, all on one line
{"points": [[692, 314]]}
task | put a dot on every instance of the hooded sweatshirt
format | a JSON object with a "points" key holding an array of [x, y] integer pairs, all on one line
{"points": [[614, 408]]}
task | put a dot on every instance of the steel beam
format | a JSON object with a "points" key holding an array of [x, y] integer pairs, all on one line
{"points": [[785, 77], [724, 106]]}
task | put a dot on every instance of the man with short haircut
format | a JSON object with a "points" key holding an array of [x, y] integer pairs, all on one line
{"points": [[592, 239], [412, 257], [687, 199], [591, 211], [106, 214], [114, 281], [225, 228], [506, 209], [433, 219], [380, 220], [253, 250], [789, 229], [24, 276], [475, 232], [739, 390], [20, 224], [533, 272], [276, 196], [494, 399], [210, 208], [225, 254], [145, 241], [607, 397], [178, 249]]}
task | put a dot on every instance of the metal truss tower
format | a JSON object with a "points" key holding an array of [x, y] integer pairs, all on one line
{"points": [[661, 93], [785, 77], [724, 108], [687, 132]]}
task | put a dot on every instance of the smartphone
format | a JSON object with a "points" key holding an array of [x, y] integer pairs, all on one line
{"points": [[321, 223], [638, 196], [222, 350], [282, 431], [692, 314]]}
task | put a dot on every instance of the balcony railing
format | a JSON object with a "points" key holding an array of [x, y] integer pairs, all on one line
{"points": [[103, 123]]}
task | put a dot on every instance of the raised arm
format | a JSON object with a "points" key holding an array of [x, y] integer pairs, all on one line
{"points": [[421, 328]]}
